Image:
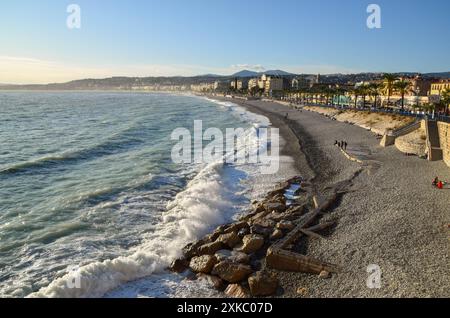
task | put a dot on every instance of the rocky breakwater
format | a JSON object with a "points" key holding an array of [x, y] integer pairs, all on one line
{"points": [[242, 258]]}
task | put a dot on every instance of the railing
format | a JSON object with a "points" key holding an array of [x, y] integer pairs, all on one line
{"points": [[407, 129], [417, 115]]}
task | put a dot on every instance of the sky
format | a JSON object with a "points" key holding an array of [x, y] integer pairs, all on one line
{"points": [[192, 37]]}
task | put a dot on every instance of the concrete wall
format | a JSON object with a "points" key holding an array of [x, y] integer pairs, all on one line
{"points": [[444, 136], [412, 143]]}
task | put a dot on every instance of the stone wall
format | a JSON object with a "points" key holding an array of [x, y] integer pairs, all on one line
{"points": [[412, 143], [444, 136]]}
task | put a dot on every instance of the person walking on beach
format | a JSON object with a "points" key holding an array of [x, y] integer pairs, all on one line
{"points": [[287, 116], [345, 145]]}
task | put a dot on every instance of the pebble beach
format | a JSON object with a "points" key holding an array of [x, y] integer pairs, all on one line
{"points": [[390, 217]]}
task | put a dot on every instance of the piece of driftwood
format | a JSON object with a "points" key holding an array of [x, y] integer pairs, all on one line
{"points": [[313, 234], [292, 262]]}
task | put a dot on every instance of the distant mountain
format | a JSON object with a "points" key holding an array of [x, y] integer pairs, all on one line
{"points": [[438, 75], [130, 83], [210, 75], [247, 73], [277, 73]]}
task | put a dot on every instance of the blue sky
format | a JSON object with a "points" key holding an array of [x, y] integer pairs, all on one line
{"points": [[188, 37]]}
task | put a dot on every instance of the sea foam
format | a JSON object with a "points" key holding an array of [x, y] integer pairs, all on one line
{"points": [[210, 199]]}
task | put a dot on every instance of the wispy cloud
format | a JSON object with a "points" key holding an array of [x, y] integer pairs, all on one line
{"points": [[250, 67]]}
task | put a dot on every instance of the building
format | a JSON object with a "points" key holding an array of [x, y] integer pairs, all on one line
{"points": [[421, 86], [239, 84], [252, 83], [273, 84], [299, 82], [202, 87], [221, 86], [438, 87]]}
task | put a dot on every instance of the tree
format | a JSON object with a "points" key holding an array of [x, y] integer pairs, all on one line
{"points": [[374, 91], [389, 80], [364, 91], [402, 87], [356, 93]]}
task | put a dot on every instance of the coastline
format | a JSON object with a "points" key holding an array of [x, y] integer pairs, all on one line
{"points": [[390, 217]]}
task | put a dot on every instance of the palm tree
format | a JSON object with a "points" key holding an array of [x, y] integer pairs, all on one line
{"points": [[374, 91], [389, 80], [356, 93], [364, 91], [402, 87]]}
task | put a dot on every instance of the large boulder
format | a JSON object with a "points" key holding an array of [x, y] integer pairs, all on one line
{"points": [[251, 243], [210, 248], [232, 272], [243, 232], [232, 256], [223, 255], [276, 235], [237, 291], [285, 225], [179, 265], [263, 284], [277, 207], [203, 264], [261, 230], [235, 227], [191, 249], [265, 222], [230, 240]]}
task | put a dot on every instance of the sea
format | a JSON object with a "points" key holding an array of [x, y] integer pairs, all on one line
{"points": [[91, 202]]}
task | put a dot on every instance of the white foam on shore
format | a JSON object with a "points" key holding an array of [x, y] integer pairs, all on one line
{"points": [[208, 201]]}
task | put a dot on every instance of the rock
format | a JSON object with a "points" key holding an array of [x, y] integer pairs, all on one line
{"points": [[191, 250], [232, 272], [278, 207], [239, 257], [230, 239], [263, 284], [258, 216], [324, 275], [210, 248], [251, 243], [237, 291], [259, 208], [213, 281], [243, 232], [203, 264], [285, 225], [179, 265], [232, 256], [301, 291], [276, 235], [261, 230], [236, 227], [223, 255], [266, 222]]}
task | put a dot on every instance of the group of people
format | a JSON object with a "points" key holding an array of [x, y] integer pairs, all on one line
{"points": [[439, 183], [341, 144]]}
